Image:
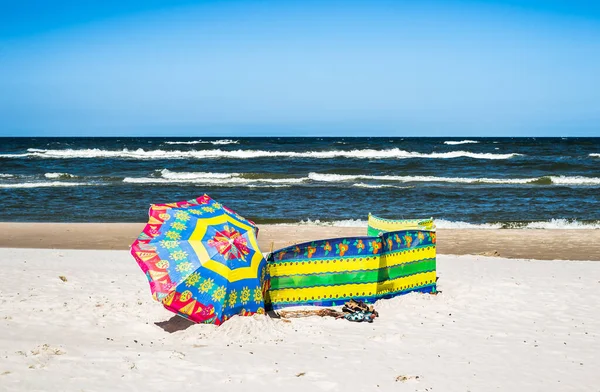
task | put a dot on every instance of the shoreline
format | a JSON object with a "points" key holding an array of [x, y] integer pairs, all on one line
{"points": [[537, 244]]}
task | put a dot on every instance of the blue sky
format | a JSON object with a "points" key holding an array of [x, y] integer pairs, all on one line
{"points": [[260, 68]]}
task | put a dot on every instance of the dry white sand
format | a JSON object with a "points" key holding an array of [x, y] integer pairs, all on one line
{"points": [[498, 324]]}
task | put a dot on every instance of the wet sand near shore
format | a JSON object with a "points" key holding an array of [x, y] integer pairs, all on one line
{"points": [[509, 243]]}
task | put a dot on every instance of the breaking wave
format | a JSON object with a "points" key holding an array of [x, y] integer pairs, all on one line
{"points": [[578, 180], [377, 186], [214, 142], [210, 182], [563, 224], [218, 179], [44, 184], [338, 223], [595, 155], [557, 180], [142, 154], [454, 143], [166, 173], [59, 175], [446, 224], [166, 176], [552, 224]]}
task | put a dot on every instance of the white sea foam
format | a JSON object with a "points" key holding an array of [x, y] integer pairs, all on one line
{"points": [[576, 180], [224, 141], [267, 186], [454, 143], [59, 175], [192, 142], [553, 224], [215, 142], [2, 175], [156, 180], [378, 186], [558, 180], [258, 183], [446, 224], [350, 177], [595, 155], [44, 184], [563, 224], [166, 173], [339, 223], [208, 177], [440, 223], [393, 153], [219, 179]]}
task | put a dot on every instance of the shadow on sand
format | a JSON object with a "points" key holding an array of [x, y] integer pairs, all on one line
{"points": [[174, 324], [178, 323]]}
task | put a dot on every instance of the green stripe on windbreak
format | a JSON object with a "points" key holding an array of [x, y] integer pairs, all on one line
{"points": [[341, 278], [371, 232]]}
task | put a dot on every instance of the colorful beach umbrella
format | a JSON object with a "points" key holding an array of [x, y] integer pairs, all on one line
{"points": [[202, 260]]}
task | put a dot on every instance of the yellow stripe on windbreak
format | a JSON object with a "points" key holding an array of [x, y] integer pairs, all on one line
{"points": [[352, 263], [412, 224], [350, 290]]}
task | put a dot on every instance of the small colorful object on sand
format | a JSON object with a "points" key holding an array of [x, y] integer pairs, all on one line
{"points": [[352, 311], [359, 311]]}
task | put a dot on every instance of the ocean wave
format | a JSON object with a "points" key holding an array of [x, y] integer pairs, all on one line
{"points": [[549, 180], [192, 142], [59, 175], [213, 182], [595, 155], [338, 223], [563, 224], [166, 173], [2, 175], [378, 186], [446, 224], [267, 186], [44, 184], [242, 178], [142, 154], [220, 179], [577, 180], [225, 141], [552, 224], [440, 223], [454, 143], [214, 142]]}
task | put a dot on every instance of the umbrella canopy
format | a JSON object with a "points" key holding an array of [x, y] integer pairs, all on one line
{"points": [[202, 260]]}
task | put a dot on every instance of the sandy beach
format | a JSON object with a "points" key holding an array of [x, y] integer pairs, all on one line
{"points": [[498, 324], [510, 243], [141, 140]]}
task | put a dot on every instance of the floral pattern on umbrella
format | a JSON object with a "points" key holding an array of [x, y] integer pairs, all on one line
{"points": [[202, 260], [230, 244]]}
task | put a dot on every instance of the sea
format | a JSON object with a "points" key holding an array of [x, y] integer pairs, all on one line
{"points": [[485, 183]]}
